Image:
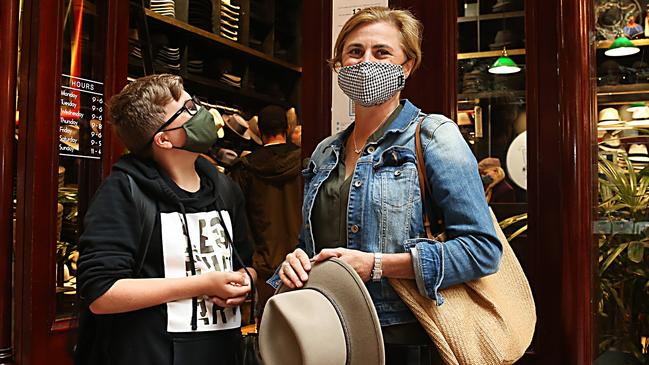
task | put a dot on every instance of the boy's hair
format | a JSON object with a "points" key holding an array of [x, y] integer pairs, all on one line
{"points": [[138, 110]]}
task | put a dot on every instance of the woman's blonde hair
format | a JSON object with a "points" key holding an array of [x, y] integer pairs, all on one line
{"points": [[410, 28]]}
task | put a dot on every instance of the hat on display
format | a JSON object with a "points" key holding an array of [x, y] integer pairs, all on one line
{"points": [[504, 38], [636, 106], [331, 320], [226, 156], [640, 118], [501, 5], [638, 155], [609, 143], [254, 129], [609, 117]]}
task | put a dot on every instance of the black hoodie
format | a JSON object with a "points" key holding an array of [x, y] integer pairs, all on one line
{"points": [[161, 334]]}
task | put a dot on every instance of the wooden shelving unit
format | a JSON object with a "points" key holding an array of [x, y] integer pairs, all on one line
{"points": [[487, 54], [267, 77], [188, 30], [494, 16]]}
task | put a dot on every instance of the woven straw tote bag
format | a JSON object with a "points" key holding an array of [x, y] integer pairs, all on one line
{"points": [[488, 321]]}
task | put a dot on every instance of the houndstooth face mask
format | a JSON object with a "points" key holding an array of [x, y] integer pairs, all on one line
{"points": [[371, 83]]}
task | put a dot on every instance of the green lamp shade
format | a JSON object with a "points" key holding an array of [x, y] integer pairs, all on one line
{"points": [[504, 65], [622, 46]]}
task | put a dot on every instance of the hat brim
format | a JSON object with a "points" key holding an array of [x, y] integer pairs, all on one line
{"points": [[344, 288]]}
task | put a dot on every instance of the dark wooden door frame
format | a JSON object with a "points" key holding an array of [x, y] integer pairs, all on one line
{"points": [[9, 43], [35, 339], [42, 42]]}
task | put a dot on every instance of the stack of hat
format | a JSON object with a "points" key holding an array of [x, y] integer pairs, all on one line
{"points": [[230, 15], [609, 118], [638, 156], [501, 5], [168, 57], [231, 80], [134, 44], [200, 14], [504, 38], [195, 62], [164, 7], [640, 117], [474, 81]]}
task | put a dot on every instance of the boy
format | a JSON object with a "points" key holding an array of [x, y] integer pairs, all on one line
{"points": [[158, 304]]}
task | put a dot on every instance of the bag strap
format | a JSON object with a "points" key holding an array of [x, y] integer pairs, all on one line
{"points": [[147, 210], [424, 187]]}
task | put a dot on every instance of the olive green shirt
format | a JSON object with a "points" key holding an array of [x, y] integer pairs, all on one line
{"points": [[329, 213]]}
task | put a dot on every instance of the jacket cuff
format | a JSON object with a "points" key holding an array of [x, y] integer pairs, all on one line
{"points": [[274, 280], [428, 265]]}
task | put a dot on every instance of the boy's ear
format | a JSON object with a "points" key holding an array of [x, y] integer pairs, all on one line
{"points": [[161, 140]]}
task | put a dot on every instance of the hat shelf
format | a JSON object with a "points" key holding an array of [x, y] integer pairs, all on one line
{"points": [[223, 55]]}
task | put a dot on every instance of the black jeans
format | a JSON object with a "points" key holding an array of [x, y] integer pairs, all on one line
{"points": [[412, 355]]}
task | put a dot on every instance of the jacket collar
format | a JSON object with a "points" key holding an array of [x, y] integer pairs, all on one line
{"points": [[401, 123]]}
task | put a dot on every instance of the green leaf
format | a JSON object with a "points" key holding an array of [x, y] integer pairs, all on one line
{"points": [[636, 252], [609, 260]]}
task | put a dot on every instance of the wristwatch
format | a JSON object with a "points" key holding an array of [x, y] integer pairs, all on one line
{"points": [[377, 270]]}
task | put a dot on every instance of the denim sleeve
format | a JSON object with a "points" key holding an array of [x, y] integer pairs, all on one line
{"points": [[274, 280], [472, 248]]}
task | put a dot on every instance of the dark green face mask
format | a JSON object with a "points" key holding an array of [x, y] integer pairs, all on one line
{"points": [[201, 131]]}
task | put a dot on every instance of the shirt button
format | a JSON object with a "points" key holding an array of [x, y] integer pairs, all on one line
{"points": [[397, 173], [370, 149], [355, 228], [357, 183]]}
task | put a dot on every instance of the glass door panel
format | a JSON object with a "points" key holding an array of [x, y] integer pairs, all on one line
{"points": [[621, 224], [80, 135], [491, 103]]}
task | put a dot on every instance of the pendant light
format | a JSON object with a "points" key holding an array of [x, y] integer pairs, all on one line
{"points": [[504, 65], [621, 46]]}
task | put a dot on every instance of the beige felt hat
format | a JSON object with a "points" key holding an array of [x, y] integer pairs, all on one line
{"points": [[329, 321]]}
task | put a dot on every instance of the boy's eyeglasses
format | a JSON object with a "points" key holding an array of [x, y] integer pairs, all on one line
{"points": [[191, 106]]}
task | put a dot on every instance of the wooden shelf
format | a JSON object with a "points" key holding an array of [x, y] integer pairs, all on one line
{"points": [[637, 42], [488, 94], [190, 30], [487, 54], [510, 14], [196, 83], [622, 94]]}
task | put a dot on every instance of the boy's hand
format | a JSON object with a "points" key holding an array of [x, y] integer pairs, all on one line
{"points": [[226, 285]]}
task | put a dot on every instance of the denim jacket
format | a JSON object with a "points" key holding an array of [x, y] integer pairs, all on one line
{"points": [[384, 211]]}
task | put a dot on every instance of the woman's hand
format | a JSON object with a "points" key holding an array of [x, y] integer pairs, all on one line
{"points": [[293, 270], [362, 262]]}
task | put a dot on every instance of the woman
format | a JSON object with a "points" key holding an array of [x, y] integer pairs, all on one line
{"points": [[362, 199]]}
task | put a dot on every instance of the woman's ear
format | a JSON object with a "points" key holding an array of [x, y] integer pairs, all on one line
{"points": [[407, 67]]}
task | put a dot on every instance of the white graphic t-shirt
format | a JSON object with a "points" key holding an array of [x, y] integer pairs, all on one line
{"points": [[211, 252]]}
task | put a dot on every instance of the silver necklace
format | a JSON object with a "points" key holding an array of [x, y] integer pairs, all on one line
{"points": [[356, 149]]}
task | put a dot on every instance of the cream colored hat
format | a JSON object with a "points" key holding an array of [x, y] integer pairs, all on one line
{"points": [[329, 321], [609, 117], [640, 118]]}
